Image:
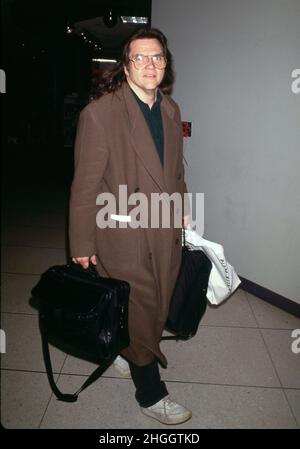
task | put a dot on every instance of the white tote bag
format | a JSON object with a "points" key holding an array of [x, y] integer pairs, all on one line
{"points": [[223, 280]]}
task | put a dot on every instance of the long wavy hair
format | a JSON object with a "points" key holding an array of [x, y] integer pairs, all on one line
{"points": [[112, 79]]}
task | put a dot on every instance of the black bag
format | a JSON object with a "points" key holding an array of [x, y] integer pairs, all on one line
{"points": [[188, 303], [86, 313]]}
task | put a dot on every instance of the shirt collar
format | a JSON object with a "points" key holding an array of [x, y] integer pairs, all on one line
{"points": [[145, 105]]}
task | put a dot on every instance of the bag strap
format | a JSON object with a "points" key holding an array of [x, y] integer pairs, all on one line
{"points": [[92, 378], [174, 337]]}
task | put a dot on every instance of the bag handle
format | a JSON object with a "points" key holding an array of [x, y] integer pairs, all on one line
{"points": [[91, 379], [185, 247], [91, 269], [175, 337]]}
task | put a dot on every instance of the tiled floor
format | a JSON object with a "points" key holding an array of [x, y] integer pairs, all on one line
{"points": [[238, 372]]}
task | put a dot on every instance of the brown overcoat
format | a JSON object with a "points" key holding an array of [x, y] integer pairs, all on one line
{"points": [[114, 147]]}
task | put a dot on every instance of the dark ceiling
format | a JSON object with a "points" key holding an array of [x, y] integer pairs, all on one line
{"points": [[51, 17], [78, 9]]}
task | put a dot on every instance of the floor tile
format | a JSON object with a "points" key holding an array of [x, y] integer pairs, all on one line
{"points": [[16, 293], [34, 236], [234, 356], [233, 312], [30, 260], [269, 316], [294, 401], [110, 404], [279, 343], [74, 365], [236, 407], [24, 398], [25, 216], [101, 405], [23, 345], [31, 200]]}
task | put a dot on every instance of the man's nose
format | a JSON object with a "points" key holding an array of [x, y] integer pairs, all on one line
{"points": [[150, 63]]}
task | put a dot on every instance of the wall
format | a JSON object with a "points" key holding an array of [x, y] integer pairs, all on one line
{"points": [[233, 63]]}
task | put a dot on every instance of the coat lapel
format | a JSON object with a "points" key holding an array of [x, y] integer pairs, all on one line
{"points": [[171, 139]]}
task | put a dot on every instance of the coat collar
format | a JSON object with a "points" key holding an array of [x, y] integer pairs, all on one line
{"points": [[142, 140], [125, 93]]}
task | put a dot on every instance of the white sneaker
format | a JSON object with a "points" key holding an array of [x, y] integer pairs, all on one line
{"points": [[167, 412], [122, 366]]}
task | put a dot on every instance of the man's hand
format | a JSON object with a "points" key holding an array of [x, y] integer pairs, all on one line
{"points": [[85, 261], [185, 221]]}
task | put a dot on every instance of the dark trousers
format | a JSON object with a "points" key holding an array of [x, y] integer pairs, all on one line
{"points": [[149, 388]]}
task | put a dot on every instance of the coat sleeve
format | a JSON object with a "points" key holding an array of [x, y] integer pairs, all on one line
{"points": [[90, 161]]}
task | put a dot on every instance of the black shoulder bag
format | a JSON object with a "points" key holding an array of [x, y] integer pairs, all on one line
{"points": [[188, 303], [86, 313]]}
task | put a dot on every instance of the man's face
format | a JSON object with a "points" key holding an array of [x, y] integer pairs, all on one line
{"points": [[148, 78]]}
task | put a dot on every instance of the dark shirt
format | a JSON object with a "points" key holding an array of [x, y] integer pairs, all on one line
{"points": [[154, 119]]}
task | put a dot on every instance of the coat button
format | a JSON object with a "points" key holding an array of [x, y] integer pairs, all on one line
{"points": [[179, 176], [150, 256], [137, 189], [177, 241]]}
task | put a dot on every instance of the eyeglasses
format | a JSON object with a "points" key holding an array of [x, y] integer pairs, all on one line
{"points": [[140, 61]]}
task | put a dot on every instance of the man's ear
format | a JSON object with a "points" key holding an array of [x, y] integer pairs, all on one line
{"points": [[125, 70]]}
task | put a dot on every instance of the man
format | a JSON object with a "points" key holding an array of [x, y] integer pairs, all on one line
{"points": [[131, 136]]}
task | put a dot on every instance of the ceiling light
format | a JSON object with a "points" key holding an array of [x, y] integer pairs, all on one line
{"points": [[104, 60], [110, 19], [133, 19]]}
